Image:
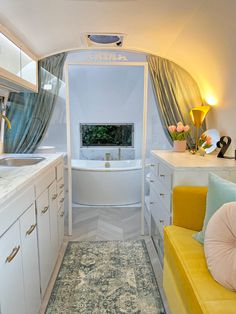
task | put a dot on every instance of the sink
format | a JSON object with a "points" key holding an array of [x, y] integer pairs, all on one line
{"points": [[20, 161]]}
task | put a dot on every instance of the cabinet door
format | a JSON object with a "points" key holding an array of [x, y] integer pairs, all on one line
{"points": [[44, 241], [12, 298], [30, 260], [60, 223], [53, 204]]}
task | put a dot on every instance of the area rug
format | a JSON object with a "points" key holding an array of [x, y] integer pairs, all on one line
{"points": [[106, 277]]}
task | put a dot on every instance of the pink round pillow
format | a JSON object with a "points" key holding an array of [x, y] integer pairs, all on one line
{"points": [[220, 245]]}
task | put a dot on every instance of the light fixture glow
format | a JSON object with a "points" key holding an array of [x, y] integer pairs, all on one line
{"points": [[211, 100]]}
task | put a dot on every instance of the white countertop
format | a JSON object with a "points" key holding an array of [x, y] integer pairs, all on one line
{"points": [[13, 179], [188, 160]]}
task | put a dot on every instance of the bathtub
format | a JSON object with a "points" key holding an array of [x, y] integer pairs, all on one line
{"points": [[94, 184]]}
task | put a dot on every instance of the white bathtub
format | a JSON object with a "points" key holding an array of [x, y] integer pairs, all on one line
{"points": [[94, 184]]}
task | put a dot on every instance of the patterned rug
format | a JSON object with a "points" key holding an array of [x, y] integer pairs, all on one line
{"points": [[106, 277]]}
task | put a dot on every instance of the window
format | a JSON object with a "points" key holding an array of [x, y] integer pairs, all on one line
{"points": [[106, 134]]}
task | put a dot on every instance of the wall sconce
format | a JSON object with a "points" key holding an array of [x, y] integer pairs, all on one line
{"points": [[197, 116]]}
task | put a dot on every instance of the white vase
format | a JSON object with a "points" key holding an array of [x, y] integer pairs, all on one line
{"points": [[179, 146]]}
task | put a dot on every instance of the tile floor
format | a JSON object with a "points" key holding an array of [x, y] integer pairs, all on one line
{"points": [[102, 224]]}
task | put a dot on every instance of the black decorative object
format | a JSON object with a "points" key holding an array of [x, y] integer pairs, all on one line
{"points": [[224, 144]]}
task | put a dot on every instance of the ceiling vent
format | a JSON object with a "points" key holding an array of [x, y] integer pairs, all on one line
{"points": [[104, 40]]}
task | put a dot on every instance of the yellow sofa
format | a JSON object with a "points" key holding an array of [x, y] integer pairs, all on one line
{"points": [[188, 285]]}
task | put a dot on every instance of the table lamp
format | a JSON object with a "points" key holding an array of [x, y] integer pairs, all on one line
{"points": [[197, 115]]}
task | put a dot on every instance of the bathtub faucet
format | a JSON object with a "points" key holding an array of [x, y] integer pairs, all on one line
{"points": [[107, 156], [119, 153]]}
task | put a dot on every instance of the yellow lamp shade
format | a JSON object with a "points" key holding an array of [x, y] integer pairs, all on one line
{"points": [[198, 115]]}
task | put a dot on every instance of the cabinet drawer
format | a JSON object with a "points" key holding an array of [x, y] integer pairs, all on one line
{"points": [[60, 171], [45, 181], [165, 176], [160, 216], [162, 192], [154, 166]]}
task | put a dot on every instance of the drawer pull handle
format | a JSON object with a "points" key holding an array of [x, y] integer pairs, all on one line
{"points": [[162, 194], [161, 221], [152, 165], [162, 175], [54, 197], [31, 229], [45, 209], [13, 254], [62, 200], [152, 181], [151, 203], [61, 186], [61, 214]]}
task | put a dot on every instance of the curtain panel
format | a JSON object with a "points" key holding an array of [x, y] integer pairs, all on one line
{"points": [[176, 94], [30, 113]]}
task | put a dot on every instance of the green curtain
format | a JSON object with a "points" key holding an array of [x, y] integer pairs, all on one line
{"points": [[176, 93], [30, 113]]}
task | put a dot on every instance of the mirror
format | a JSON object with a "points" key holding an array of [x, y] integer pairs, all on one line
{"points": [[215, 136]]}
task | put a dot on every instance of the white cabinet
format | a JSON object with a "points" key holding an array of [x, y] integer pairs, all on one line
{"points": [[31, 233], [12, 297], [53, 205], [18, 66], [169, 169], [44, 239], [50, 227], [29, 250]]}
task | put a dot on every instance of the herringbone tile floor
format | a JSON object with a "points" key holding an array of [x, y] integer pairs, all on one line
{"points": [[107, 223]]}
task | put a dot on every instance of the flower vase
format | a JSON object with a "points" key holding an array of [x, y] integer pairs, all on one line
{"points": [[179, 146]]}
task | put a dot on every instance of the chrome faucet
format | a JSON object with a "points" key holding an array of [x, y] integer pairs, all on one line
{"points": [[119, 153], [107, 156]]}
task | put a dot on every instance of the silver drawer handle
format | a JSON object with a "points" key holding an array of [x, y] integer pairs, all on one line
{"points": [[54, 197], [45, 209], [152, 181], [162, 175], [162, 194], [13, 254], [62, 200], [161, 221], [61, 214], [151, 203], [152, 165], [61, 186], [31, 229]]}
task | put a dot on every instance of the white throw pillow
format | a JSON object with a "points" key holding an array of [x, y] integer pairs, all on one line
{"points": [[220, 245]]}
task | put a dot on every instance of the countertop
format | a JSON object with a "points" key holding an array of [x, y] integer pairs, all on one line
{"points": [[188, 160], [13, 179]]}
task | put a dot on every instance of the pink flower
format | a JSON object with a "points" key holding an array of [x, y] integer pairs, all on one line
{"points": [[180, 128], [179, 123], [208, 140], [186, 128], [172, 128]]}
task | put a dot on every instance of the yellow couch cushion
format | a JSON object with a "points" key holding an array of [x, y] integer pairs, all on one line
{"points": [[197, 288]]}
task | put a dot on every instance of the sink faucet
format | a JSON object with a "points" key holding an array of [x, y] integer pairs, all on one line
{"points": [[107, 156], [119, 153]]}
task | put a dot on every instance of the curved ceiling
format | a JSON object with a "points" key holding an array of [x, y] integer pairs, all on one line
{"points": [[199, 35], [49, 26]]}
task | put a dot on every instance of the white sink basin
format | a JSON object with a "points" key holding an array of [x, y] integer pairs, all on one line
{"points": [[20, 161]]}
